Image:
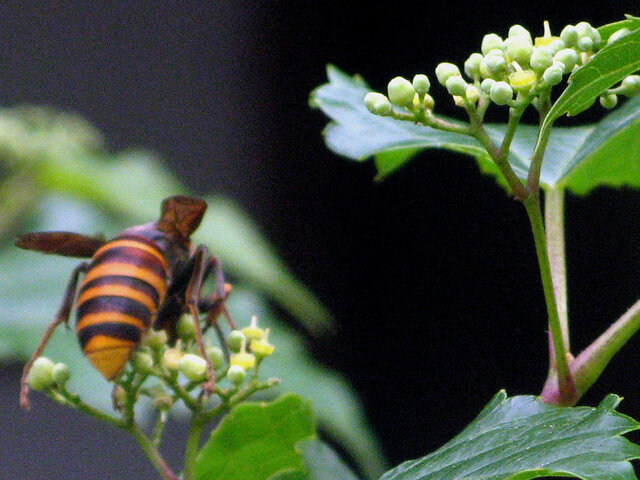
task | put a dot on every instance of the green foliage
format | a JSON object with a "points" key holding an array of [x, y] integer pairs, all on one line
{"points": [[577, 158], [258, 441], [523, 438]]}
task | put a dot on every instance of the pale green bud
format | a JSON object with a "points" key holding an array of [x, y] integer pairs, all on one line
{"points": [[585, 44], [568, 57], [541, 59], [60, 374], [193, 367], [472, 93], [401, 91], [171, 358], [501, 93], [556, 45], [142, 362], [520, 31], [235, 340], [155, 339], [609, 101], [630, 85], [421, 84], [40, 376], [618, 34], [186, 328], [236, 374], [428, 102], [486, 85], [446, 70], [456, 86], [569, 35], [472, 65], [495, 63], [490, 42], [519, 49], [215, 355], [553, 74]]}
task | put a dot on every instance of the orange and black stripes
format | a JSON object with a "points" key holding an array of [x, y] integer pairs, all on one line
{"points": [[118, 300]]}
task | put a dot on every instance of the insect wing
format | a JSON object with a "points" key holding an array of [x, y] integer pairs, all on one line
{"points": [[68, 244]]}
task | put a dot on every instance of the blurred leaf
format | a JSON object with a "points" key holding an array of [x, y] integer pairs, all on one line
{"points": [[522, 438], [577, 158], [65, 155], [257, 441], [324, 463]]}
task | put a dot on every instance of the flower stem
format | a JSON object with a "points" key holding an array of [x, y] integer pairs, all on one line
{"points": [[566, 392], [152, 452], [192, 448]]}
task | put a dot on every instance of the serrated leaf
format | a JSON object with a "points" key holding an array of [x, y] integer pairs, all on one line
{"points": [[577, 158], [523, 438], [258, 441], [610, 65]]}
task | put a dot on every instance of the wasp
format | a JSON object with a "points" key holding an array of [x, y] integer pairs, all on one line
{"points": [[146, 277]]}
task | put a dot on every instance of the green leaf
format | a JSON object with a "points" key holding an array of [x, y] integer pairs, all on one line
{"points": [[577, 158], [630, 22], [324, 463], [257, 441], [335, 403], [607, 67], [522, 438]]}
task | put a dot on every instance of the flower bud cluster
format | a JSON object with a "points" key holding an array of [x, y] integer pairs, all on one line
{"points": [[507, 71]]}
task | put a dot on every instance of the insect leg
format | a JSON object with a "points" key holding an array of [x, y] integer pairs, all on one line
{"points": [[200, 266], [61, 317], [213, 305]]}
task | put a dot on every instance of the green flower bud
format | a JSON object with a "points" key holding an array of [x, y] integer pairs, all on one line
{"points": [[40, 376], [495, 64], [490, 42], [630, 85], [253, 331], [155, 339], [553, 74], [520, 31], [421, 84], [171, 358], [609, 101], [456, 86], [501, 93], [519, 49], [236, 374], [541, 59], [585, 44], [60, 374], [569, 35], [142, 362], [235, 340], [401, 91], [568, 57], [472, 93], [556, 46], [446, 70], [186, 328], [618, 34], [472, 65], [428, 102], [215, 355], [522, 80], [486, 85], [193, 367]]}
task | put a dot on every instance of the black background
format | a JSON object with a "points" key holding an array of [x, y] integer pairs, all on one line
{"points": [[431, 274]]}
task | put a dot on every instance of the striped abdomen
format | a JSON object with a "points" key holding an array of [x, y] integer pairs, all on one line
{"points": [[118, 300]]}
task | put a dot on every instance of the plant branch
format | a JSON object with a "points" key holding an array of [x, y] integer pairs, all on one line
{"points": [[560, 364], [152, 452], [588, 366], [554, 227]]}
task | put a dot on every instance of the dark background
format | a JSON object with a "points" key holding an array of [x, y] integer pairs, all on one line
{"points": [[431, 274]]}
